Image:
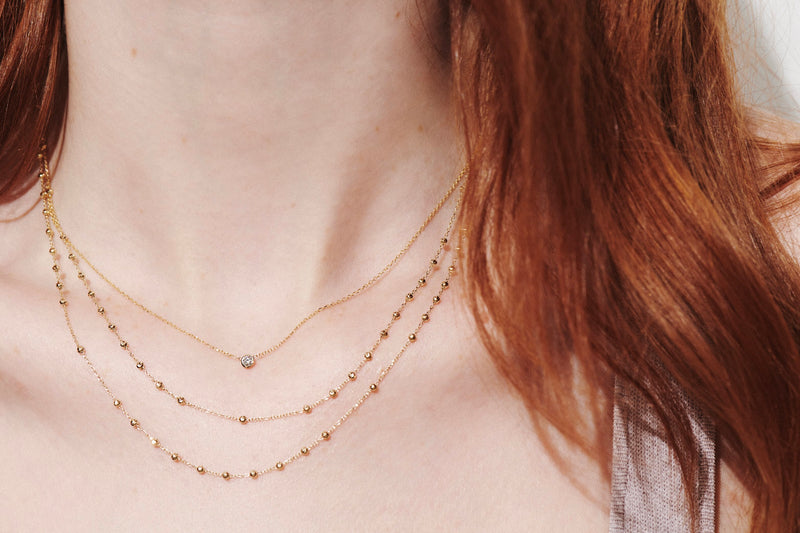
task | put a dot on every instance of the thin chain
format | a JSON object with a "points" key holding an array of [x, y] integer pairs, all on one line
{"points": [[240, 418], [156, 443], [369, 283]]}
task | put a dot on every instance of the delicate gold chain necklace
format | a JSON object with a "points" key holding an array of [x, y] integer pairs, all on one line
{"points": [[241, 418], [47, 195], [249, 360]]}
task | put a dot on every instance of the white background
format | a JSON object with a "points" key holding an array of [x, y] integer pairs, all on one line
{"points": [[766, 37]]}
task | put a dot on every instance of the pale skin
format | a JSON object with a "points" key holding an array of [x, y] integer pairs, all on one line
{"points": [[235, 167]]}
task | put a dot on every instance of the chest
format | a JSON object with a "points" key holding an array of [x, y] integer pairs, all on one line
{"points": [[391, 469], [442, 446]]}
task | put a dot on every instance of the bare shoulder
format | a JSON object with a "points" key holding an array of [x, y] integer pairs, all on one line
{"points": [[735, 505], [19, 225], [23, 271], [17, 220]]}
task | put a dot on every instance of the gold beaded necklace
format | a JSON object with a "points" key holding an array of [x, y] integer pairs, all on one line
{"points": [[51, 229], [306, 408], [249, 360]]}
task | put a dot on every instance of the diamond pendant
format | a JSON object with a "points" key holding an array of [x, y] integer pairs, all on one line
{"points": [[247, 361]]}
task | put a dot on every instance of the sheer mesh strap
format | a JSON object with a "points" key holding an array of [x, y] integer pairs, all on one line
{"points": [[647, 493]]}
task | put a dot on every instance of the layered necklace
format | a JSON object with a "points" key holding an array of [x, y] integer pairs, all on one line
{"points": [[55, 233]]}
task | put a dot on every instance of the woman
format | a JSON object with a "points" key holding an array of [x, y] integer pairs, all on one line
{"points": [[629, 359]]}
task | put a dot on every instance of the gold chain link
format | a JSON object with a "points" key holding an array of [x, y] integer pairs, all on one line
{"points": [[241, 418], [369, 283], [49, 215]]}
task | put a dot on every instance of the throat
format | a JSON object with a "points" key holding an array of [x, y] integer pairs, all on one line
{"points": [[297, 143]]}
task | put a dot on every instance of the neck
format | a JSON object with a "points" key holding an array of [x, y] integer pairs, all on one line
{"points": [[243, 138]]}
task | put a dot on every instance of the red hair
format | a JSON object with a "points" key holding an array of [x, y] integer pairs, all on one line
{"points": [[619, 227], [33, 87], [618, 209]]}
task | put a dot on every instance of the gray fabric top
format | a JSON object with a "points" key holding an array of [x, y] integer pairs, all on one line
{"points": [[647, 491]]}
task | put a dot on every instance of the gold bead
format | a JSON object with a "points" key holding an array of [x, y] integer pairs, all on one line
{"points": [[154, 441], [409, 296], [59, 285], [81, 349], [325, 435], [71, 255], [81, 275], [368, 356], [175, 457], [395, 315], [444, 240], [373, 387], [140, 365], [201, 470], [48, 231], [159, 385], [279, 465], [425, 317], [226, 475], [243, 419], [101, 310], [253, 474], [421, 282], [112, 327], [333, 393], [134, 422], [181, 400], [117, 403], [52, 250], [451, 269], [445, 284], [412, 337], [124, 344], [434, 262], [306, 409], [62, 301], [91, 294], [436, 299], [351, 376], [55, 268], [384, 333], [304, 450]]}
